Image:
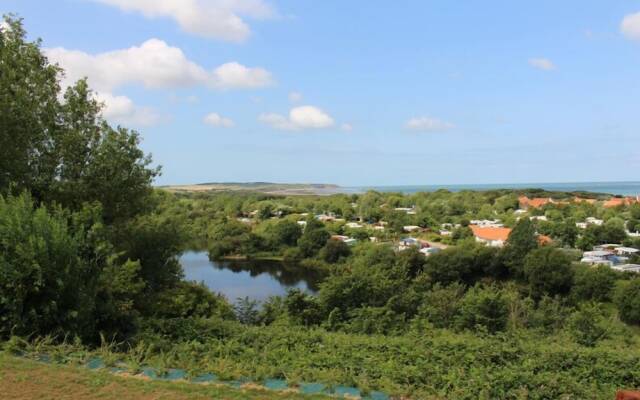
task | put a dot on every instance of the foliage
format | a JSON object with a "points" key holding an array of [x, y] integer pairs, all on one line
{"points": [[548, 272], [627, 300]]}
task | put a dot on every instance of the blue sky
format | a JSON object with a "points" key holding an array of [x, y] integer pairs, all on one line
{"points": [[361, 93]]}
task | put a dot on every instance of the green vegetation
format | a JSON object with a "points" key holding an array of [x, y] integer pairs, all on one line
{"points": [[89, 259]]}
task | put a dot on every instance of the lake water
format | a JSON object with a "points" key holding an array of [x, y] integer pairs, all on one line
{"points": [[257, 280], [617, 188]]}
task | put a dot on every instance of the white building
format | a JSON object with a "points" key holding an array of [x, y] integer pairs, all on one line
{"points": [[628, 268]]}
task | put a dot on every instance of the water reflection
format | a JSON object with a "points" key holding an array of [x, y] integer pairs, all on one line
{"points": [[254, 279]]}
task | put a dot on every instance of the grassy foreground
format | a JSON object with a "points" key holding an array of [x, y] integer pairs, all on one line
{"points": [[22, 379]]}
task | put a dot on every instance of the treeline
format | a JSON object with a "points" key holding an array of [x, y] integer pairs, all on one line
{"points": [[83, 250]]}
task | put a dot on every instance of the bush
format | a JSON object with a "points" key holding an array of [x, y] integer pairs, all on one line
{"points": [[441, 305], [46, 284], [548, 272], [593, 283], [483, 308], [587, 325], [627, 300]]}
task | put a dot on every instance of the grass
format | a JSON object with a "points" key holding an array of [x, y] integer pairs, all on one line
{"points": [[22, 379]]}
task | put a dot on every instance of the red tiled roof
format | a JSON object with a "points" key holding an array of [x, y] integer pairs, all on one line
{"points": [[489, 233]]}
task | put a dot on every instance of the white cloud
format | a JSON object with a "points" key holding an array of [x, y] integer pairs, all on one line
{"points": [[630, 26], [217, 19], [215, 119], [542, 63], [122, 110], [154, 64], [428, 124], [295, 97], [303, 117], [346, 127]]}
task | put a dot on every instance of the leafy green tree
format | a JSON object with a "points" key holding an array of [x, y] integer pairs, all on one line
{"points": [[548, 271], [587, 325], [466, 264], [62, 150], [594, 283], [441, 305], [303, 308], [522, 240], [284, 233], [191, 300], [28, 113], [334, 250], [314, 238], [627, 300], [246, 311], [483, 308]]}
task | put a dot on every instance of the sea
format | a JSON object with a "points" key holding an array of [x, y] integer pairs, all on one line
{"points": [[615, 188]]}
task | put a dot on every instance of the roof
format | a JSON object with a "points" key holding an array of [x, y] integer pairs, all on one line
{"points": [[627, 249], [490, 233], [620, 201]]}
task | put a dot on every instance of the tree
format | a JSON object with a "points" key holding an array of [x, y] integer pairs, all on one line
{"points": [[466, 264], [627, 300], [485, 308], [284, 233], [522, 240], [548, 272], [314, 238], [594, 283], [62, 150], [29, 109], [334, 250], [587, 325], [246, 311]]}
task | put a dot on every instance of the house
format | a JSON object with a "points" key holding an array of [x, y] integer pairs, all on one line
{"points": [[486, 223], [491, 236], [408, 210], [353, 225], [583, 200], [302, 223], [538, 202], [325, 217], [589, 221], [427, 251], [411, 228], [444, 232], [599, 257], [245, 220], [621, 201], [345, 239], [538, 218], [627, 268], [626, 251], [409, 242]]}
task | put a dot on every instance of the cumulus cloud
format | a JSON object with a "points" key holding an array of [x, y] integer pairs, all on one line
{"points": [[295, 97], [542, 63], [300, 118], [122, 110], [216, 19], [630, 26], [215, 119], [428, 124], [153, 64]]}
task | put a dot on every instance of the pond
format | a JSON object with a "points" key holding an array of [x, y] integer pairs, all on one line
{"points": [[257, 280]]}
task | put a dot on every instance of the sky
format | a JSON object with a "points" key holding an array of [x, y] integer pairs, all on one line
{"points": [[360, 93]]}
